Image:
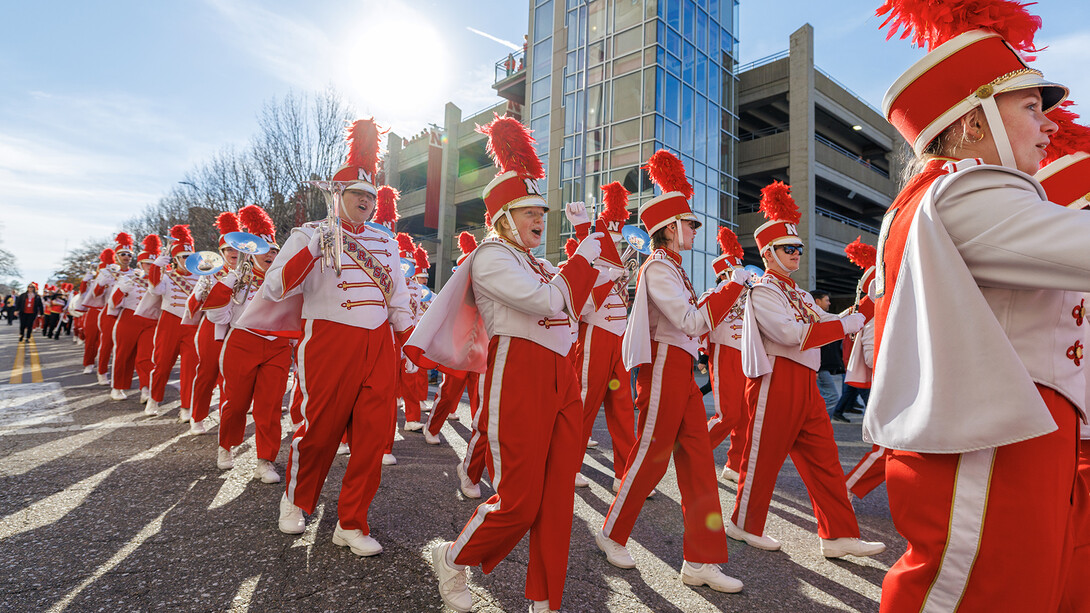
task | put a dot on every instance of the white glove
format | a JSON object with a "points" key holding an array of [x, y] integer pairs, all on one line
{"points": [[162, 260], [853, 323], [740, 275], [410, 367], [607, 273], [576, 212], [590, 248]]}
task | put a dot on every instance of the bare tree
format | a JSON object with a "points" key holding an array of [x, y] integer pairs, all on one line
{"points": [[9, 266], [80, 260]]}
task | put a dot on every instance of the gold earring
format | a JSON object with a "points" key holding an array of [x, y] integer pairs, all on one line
{"points": [[982, 134]]}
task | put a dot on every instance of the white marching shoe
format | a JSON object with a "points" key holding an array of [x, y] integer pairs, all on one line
{"points": [[452, 580], [103, 379], [709, 575], [760, 542], [291, 517], [145, 393], [541, 606], [468, 487], [197, 427], [591, 443], [151, 408], [616, 553], [224, 461], [342, 449], [361, 544], [388, 459], [728, 474], [116, 394], [184, 414], [413, 426], [266, 472], [581, 481], [431, 439], [89, 369], [838, 548]]}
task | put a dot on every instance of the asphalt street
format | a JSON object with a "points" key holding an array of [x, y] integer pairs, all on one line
{"points": [[105, 509]]}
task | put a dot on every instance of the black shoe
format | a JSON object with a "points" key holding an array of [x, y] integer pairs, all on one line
{"points": [[853, 410], [839, 417]]}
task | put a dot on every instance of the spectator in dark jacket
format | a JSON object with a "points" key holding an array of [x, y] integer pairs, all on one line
{"points": [[29, 306], [830, 376]]}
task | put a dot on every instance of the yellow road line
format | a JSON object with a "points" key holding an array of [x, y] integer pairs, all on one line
{"points": [[35, 363], [17, 369]]}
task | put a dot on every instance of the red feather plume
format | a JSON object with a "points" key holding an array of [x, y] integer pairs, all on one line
{"points": [[861, 254], [487, 220], [728, 243], [570, 247], [124, 239], [777, 203], [466, 243], [386, 205], [420, 258], [181, 234], [616, 203], [108, 257], [152, 243], [363, 145], [930, 23], [256, 221], [227, 222], [405, 243], [1069, 138], [512, 147], [668, 173]]}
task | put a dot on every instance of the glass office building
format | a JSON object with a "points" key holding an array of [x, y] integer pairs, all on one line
{"points": [[612, 81]]}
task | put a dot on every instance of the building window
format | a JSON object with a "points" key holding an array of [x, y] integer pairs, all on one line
{"points": [[543, 21], [627, 100]]}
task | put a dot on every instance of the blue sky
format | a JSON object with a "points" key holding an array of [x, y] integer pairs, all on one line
{"points": [[104, 106]]}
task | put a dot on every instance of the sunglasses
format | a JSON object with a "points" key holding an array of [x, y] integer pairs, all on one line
{"points": [[791, 249]]}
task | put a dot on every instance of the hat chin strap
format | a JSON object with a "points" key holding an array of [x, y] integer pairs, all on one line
{"points": [[772, 249], [514, 230], [999, 132]]}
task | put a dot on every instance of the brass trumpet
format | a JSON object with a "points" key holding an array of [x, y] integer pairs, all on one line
{"points": [[332, 241]]}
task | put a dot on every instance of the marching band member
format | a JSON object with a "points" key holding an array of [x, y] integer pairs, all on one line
{"points": [[725, 363], [662, 339], [504, 314], [254, 365], [781, 334], [104, 286], [597, 350], [173, 337], [870, 472], [135, 327], [208, 345], [93, 304], [1065, 178], [350, 314], [53, 305], [454, 383], [412, 381], [980, 413]]}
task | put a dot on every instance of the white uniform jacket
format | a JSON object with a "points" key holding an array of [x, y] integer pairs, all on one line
{"points": [[129, 290], [174, 288], [980, 315]]}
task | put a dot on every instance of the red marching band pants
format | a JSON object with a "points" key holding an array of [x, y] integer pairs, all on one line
{"points": [[869, 473], [448, 397], [990, 530], [255, 369], [728, 391], [90, 335], [132, 349], [77, 328], [413, 389], [788, 417], [207, 369], [478, 455], [171, 340], [672, 419], [603, 378], [105, 340], [348, 381], [531, 396]]}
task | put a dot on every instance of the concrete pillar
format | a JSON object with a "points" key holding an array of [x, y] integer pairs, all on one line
{"points": [[393, 161], [452, 118], [801, 147]]}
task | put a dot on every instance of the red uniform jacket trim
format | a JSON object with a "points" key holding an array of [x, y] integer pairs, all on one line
{"points": [[866, 307], [218, 298], [579, 276], [823, 333], [297, 268], [718, 303]]}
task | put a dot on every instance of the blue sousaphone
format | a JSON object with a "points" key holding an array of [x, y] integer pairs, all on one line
{"points": [[246, 243], [204, 263]]}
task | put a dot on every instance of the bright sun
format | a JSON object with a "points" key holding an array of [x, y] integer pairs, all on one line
{"points": [[397, 68]]}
